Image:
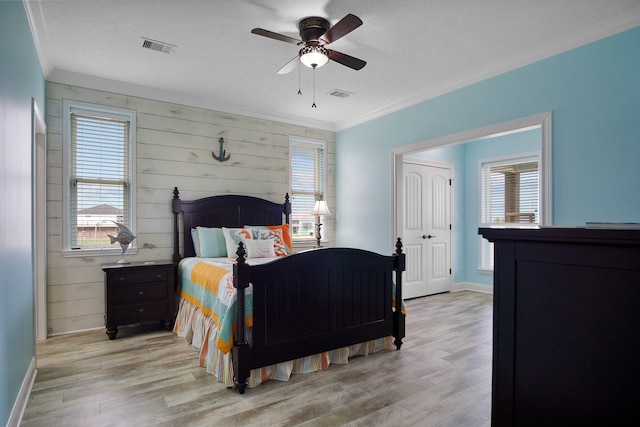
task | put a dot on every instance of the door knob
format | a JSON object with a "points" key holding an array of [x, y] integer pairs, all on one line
{"points": [[424, 236]]}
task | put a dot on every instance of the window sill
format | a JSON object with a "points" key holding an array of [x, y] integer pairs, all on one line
{"points": [[485, 270], [80, 253], [304, 244]]}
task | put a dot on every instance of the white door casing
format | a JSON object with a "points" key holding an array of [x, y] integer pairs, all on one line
{"points": [[39, 220]]}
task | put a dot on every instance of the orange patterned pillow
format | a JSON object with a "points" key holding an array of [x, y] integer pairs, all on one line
{"points": [[263, 233], [286, 236]]}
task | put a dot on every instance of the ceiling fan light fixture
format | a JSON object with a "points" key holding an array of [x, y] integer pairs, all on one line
{"points": [[314, 56]]}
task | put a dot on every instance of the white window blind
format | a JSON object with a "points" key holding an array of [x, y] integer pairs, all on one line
{"points": [[510, 192], [307, 164], [100, 171]]}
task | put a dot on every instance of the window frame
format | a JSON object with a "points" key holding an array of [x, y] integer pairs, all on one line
{"points": [[322, 185], [106, 111], [485, 248]]}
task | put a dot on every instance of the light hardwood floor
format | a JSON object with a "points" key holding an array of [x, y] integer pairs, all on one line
{"points": [[147, 376]]}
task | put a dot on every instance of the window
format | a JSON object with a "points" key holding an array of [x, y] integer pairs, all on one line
{"points": [[307, 165], [99, 187], [510, 192]]}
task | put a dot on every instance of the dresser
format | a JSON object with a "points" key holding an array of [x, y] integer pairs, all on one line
{"points": [[566, 326], [139, 292]]}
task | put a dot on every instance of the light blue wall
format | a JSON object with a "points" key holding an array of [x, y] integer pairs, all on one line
{"points": [[21, 80], [594, 95]]}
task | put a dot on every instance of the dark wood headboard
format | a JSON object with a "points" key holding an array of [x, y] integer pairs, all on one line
{"points": [[223, 211]]}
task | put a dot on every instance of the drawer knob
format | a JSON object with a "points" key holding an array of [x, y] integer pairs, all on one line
{"points": [[159, 276], [141, 293], [122, 278], [142, 310]]}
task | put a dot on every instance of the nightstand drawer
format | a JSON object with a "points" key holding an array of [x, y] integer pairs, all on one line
{"points": [[140, 312], [148, 275], [135, 294]]}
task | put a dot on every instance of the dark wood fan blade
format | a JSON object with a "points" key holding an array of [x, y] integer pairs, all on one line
{"points": [[346, 60], [276, 36], [289, 66], [342, 27]]}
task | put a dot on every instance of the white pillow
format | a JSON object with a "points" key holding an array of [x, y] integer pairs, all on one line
{"points": [[260, 248], [232, 237]]}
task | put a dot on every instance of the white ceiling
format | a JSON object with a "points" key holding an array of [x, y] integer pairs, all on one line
{"points": [[415, 49]]}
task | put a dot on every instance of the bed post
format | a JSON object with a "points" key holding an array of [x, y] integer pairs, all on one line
{"points": [[241, 351], [287, 208], [175, 205], [398, 315]]}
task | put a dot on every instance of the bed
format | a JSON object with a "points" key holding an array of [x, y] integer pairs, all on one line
{"points": [[255, 318]]}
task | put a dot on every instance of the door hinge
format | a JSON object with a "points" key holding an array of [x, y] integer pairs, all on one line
{"points": [[449, 271], [450, 181], [449, 226]]}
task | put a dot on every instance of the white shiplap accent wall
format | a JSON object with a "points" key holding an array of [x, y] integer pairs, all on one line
{"points": [[174, 145]]}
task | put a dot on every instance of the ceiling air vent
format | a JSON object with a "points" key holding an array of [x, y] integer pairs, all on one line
{"points": [[156, 45], [340, 93]]}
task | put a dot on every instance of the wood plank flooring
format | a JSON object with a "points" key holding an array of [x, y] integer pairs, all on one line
{"points": [[149, 377]]}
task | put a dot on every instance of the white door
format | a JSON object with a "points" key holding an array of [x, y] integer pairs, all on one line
{"points": [[426, 229]]}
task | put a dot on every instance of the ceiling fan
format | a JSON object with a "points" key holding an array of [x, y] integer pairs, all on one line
{"points": [[316, 33]]}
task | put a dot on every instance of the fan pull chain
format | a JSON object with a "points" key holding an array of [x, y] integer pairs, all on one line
{"points": [[314, 87], [299, 91]]}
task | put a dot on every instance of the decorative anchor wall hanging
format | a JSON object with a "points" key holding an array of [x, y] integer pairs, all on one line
{"points": [[223, 152]]}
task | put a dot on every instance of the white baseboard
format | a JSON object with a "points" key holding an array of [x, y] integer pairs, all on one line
{"points": [[470, 286], [20, 404], [57, 334]]}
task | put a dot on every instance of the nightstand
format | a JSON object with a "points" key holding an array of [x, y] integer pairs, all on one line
{"points": [[139, 292]]}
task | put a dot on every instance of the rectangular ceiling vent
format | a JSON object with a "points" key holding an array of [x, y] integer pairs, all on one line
{"points": [[340, 93], [156, 45]]}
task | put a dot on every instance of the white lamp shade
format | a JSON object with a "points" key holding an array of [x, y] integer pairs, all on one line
{"points": [[320, 208], [314, 56]]}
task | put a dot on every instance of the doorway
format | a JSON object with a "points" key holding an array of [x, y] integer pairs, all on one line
{"points": [[464, 244], [426, 222]]}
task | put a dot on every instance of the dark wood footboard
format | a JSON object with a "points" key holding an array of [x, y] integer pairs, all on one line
{"points": [[316, 301]]}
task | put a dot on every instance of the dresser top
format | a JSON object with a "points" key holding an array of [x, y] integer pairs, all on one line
{"points": [[162, 263], [585, 235]]}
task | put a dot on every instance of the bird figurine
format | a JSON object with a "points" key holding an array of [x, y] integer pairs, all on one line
{"points": [[125, 237]]}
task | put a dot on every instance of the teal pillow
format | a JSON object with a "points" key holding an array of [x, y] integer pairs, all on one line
{"points": [[211, 243], [196, 243]]}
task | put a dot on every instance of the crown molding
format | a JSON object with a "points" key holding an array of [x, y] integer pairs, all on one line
{"points": [[97, 83], [571, 41], [34, 16]]}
